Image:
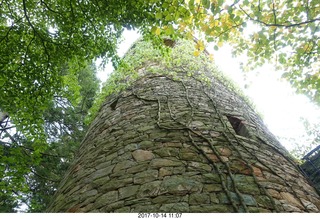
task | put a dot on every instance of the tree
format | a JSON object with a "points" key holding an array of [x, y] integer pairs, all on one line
{"points": [[30, 182], [65, 129], [311, 139]]}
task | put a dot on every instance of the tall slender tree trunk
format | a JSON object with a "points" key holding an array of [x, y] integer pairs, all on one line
{"points": [[178, 139]]}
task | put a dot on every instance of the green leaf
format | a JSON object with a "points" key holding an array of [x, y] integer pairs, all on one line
{"points": [[170, 30], [206, 4], [158, 15], [213, 8], [168, 17], [2, 81], [282, 58], [191, 4]]}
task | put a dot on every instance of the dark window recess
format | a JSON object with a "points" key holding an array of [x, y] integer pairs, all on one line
{"points": [[238, 126], [169, 42]]}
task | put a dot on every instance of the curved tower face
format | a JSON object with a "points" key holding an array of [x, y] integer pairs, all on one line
{"points": [[178, 140]]}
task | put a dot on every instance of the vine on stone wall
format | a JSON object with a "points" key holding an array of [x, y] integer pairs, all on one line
{"points": [[225, 132], [190, 131]]}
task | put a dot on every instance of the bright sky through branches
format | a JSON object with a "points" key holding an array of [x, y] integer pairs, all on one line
{"points": [[274, 98]]}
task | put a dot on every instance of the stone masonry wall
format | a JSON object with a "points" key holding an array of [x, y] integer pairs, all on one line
{"points": [[166, 145]]}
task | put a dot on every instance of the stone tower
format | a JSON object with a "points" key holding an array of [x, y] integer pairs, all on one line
{"points": [[177, 137]]}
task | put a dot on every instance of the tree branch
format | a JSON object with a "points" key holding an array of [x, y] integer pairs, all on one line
{"points": [[49, 9], [27, 16], [6, 128], [279, 25], [10, 28], [43, 177]]}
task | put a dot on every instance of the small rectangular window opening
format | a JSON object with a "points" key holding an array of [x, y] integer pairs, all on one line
{"points": [[238, 126], [169, 42]]}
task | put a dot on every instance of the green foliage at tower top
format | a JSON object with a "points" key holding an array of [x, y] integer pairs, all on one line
{"points": [[145, 57]]}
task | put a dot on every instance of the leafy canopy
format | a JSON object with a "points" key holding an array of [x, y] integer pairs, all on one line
{"points": [[284, 32]]}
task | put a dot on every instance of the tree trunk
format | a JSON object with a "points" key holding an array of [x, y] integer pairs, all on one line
{"points": [[176, 143]]}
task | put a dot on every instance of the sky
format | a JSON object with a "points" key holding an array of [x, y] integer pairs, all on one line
{"points": [[273, 97]]}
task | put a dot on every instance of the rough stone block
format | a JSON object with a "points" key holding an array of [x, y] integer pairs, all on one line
{"points": [[214, 134], [211, 208], [100, 165], [158, 134], [290, 208], [247, 199], [258, 210], [172, 144], [146, 208], [182, 207], [112, 206], [138, 168], [291, 199], [146, 144], [120, 173], [165, 171], [264, 201], [310, 206], [89, 193], [123, 210], [114, 184], [274, 193], [245, 184], [145, 176], [142, 155], [124, 165], [110, 157], [167, 152], [137, 201], [191, 157], [128, 191], [165, 199], [199, 198], [146, 129], [131, 147], [180, 185], [102, 172], [211, 178], [159, 162], [123, 156], [179, 170], [257, 171], [212, 188], [106, 199], [224, 151], [150, 189], [213, 157], [201, 167], [213, 198], [86, 208]]}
